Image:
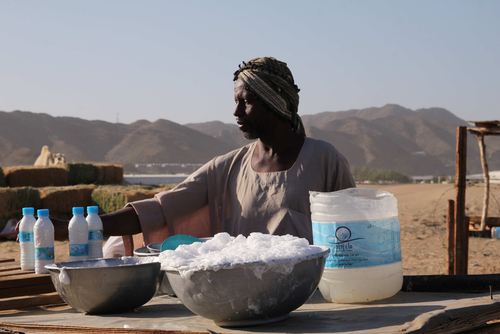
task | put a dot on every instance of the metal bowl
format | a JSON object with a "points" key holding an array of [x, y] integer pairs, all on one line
{"points": [[164, 287], [105, 285], [145, 251], [237, 297], [155, 247]]}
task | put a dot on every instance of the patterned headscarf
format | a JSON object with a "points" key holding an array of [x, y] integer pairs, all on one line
{"points": [[272, 81]]}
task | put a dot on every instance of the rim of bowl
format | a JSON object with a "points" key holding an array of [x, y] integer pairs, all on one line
{"points": [[70, 265]]}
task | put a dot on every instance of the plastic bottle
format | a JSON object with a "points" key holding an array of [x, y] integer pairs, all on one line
{"points": [[27, 239], [78, 231], [95, 232], [361, 227], [494, 233], [44, 242]]}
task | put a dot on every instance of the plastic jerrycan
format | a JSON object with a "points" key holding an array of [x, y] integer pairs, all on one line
{"points": [[361, 227]]}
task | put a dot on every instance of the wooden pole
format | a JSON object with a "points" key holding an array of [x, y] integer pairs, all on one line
{"points": [[450, 229], [461, 226], [486, 174]]}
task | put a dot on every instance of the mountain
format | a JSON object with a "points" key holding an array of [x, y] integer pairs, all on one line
{"points": [[416, 142]]}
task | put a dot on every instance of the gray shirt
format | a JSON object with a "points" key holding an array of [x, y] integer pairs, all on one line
{"points": [[226, 194]]}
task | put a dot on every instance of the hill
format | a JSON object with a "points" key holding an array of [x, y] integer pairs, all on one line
{"points": [[419, 142]]}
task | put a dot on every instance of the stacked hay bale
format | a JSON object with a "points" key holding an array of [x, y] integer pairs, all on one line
{"points": [[30, 176], [61, 188], [112, 198], [109, 174], [13, 200], [2, 178], [81, 173], [61, 200]]}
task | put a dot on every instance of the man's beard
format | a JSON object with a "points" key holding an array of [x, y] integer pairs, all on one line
{"points": [[254, 133]]}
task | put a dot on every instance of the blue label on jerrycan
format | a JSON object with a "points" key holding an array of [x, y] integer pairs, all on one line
{"points": [[359, 244]]}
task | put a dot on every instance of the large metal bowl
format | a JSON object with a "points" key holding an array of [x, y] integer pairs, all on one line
{"points": [[238, 297], [106, 285]]}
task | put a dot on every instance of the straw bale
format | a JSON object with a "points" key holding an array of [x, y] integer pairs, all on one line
{"points": [[2, 178], [109, 174], [13, 200], [81, 173], [61, 200], [112, 198], [28, 176]]}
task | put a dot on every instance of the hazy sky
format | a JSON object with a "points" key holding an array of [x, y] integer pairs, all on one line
{"points": [[131, 60]]}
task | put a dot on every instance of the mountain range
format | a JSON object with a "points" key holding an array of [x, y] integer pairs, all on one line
{"points": [[415, 142]]}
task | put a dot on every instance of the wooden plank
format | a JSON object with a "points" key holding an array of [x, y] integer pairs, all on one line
{"points": [[461, 227], [40, 328], [13, 272], [27, 290], [451, 283], [30, 301], [7, 260], [4, 269], [25, 279], [490, 221], [450, 229]]}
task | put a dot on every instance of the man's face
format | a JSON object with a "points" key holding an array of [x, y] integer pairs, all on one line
{"points": [[252, 115]]}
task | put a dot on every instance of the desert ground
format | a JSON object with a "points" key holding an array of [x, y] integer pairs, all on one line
{"points": [[422, 216]]}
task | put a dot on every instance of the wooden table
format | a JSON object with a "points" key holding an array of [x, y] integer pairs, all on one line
{"points": [[21, 289]]}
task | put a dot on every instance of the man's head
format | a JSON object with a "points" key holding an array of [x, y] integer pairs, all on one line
{"points": [[272, 82]]}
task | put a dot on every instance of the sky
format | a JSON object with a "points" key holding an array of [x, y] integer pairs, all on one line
{"points": [[123, 61]]}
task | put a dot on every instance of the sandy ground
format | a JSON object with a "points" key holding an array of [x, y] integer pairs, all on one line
{"points": [[422, 215]]}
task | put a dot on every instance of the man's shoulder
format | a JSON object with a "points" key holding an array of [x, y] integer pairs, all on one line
{"points": [[322, 146], [232, 155]]}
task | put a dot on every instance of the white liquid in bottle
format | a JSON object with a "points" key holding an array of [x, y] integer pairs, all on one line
{"points": [[44, 242], [78, 231], [27, 239], [95, 233]]}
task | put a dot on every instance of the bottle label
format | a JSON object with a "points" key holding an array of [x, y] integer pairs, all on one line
{"points": [[359, 244], [95, 235], [26, 237], [78, 249], [44, 253]]}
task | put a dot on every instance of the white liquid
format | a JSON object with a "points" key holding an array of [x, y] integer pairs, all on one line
{"points": [[44, 244], [360, 285], [27, 242], [371, 216], [78, 238], [95, 235]]}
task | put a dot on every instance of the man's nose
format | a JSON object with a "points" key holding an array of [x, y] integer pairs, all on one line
{"points": [[238, 110]]}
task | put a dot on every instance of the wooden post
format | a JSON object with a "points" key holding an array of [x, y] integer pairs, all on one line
{"points": [[461, 226], [486, 174], [450, 229]]}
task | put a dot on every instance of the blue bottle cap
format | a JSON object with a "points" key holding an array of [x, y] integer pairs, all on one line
{"points": [[78, 210], [28, 211], [42, 212], [92, 209]]}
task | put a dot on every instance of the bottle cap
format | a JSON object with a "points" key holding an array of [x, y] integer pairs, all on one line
{"points": [[28, 211], [92, 209], [42, 212], [78, 210]]}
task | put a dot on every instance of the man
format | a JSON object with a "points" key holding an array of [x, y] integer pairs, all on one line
{"points": [[261, 187]]}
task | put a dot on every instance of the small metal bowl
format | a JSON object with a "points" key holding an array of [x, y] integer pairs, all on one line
{"points": [[103, 286], [164, 287], [155, 247], [145, 251]]}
